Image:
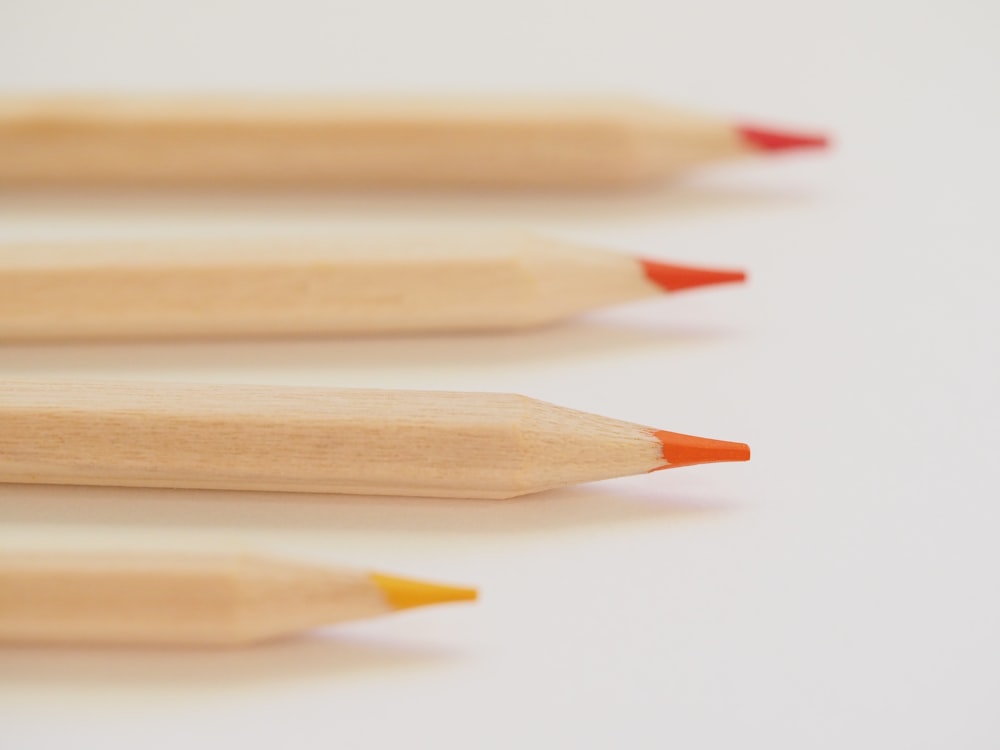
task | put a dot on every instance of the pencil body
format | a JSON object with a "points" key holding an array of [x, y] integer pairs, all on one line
{"points": [[313, 440], [360, 284], [360, 143], [160, 599]]}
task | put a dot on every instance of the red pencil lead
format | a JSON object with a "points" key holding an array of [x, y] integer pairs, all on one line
{"points": [[674, 278], [765, 139], [688, 450]]}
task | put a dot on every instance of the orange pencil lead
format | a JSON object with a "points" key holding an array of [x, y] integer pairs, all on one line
{"points": [[674, 278], [766, 139], [688, 450]]}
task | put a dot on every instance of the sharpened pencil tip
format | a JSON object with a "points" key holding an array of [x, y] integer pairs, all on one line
{"points": [[674, 278], [404, 593], [765, 139], [688, 450]]}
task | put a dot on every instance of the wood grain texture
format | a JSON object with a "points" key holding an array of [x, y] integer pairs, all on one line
{"points": [[282, 141], [374, 283], [161, 599], [413, 443]]}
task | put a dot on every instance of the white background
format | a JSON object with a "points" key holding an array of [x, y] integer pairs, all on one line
{"points": [[839, 591]]}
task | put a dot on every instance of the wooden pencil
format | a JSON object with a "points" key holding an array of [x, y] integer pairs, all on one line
{"points": [[413, 443], [374, 142], [353, 284], [189, 600]]}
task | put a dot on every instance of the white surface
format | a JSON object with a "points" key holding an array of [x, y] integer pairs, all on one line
{"points": [[840, 591]]}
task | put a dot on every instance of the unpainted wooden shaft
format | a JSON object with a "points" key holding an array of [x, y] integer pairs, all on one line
{"points": [[283, 141], [321, 440], [375, 283], [164, 599]]}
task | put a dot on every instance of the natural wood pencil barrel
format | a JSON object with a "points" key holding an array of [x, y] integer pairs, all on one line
{"points": [[321, 440], [585, 142], [160, 599], [350, 284]]}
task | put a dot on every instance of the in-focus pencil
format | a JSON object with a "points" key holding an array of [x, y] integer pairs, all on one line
{"points": [[374, 142], [376, 283], [368, 442], [192, 600]]}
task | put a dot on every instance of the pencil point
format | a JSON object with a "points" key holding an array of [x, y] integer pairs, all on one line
{"points": [[404, 593], [765, 139], [688, 450], [673, 278]]}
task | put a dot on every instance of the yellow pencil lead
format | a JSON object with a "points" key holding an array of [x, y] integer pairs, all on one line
{"points": [[404, 593]]}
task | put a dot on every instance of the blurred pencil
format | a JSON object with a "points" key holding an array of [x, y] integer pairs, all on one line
{"points": [[158, 599], [488, 280], [474, 445], [374, 142]]}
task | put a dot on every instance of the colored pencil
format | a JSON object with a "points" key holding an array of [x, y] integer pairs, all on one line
{"points": [[361, 284], [375, 142], [161, 599], [473, 445]]}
